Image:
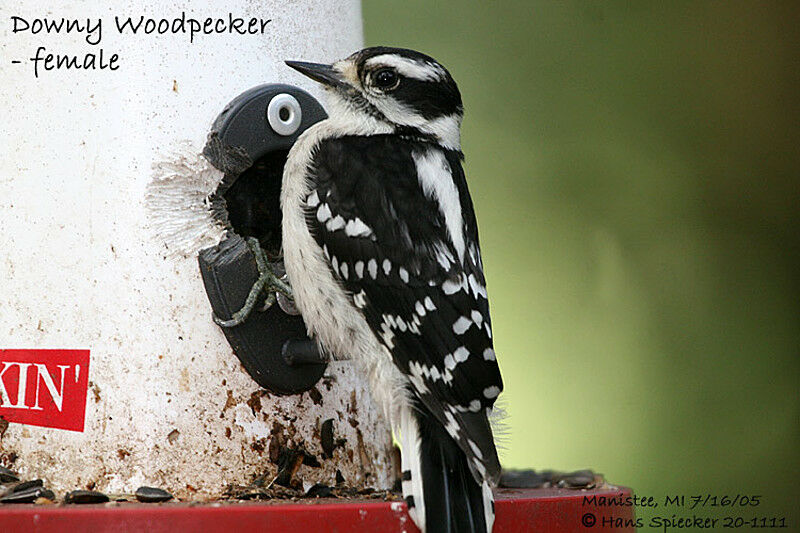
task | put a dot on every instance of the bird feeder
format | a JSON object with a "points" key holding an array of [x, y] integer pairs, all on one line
{"points": [[126, 200], [132, 186]]}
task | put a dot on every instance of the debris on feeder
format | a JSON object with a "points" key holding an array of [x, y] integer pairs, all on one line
{"points": [[7, 475], [319, 490], [152, 495], [85, 496], [531, 479], [26, 492]]}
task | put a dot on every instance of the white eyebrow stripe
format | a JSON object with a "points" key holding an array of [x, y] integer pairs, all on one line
{"points": [[410, 68]]}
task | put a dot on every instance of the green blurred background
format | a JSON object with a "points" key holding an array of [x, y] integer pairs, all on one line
{"points": [[635, 170]]}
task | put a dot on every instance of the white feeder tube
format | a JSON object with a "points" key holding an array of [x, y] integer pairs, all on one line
{"points": [[168, 403]]}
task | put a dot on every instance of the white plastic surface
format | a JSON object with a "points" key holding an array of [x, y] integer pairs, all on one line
{"points": [[169, 404]]}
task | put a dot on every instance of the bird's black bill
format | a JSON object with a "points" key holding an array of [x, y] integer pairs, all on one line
{"points": [[324, 74]]}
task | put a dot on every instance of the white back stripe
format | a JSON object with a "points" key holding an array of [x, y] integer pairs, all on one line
{"points": [[436, 180]]}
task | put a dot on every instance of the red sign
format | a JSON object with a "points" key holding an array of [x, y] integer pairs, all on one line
{"points": [[44, 387]]}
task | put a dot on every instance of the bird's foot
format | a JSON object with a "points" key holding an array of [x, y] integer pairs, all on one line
{"points": [[268, 281]]}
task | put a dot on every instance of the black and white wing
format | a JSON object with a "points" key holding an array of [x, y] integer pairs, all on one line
{"points": [[396, 223]]}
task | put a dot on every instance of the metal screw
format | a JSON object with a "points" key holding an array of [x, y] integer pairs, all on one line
{"points": [[284, 114]]}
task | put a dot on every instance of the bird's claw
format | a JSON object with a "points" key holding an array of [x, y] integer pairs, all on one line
{"points": [[267, 281]]}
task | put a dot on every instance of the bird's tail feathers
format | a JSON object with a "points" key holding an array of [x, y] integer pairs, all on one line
{"points": [[439, 488], [411, 466]]}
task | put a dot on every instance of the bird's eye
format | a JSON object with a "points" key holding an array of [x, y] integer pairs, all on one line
{"points": [[385, 79]]}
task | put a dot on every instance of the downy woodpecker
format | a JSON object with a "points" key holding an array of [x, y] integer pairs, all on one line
{"points": [[381, 251]]}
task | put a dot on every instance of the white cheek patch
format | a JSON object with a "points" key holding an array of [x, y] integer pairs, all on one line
{"points": [[395, 111], [447, 129]]}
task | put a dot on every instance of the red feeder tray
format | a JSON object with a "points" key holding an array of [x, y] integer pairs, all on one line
{"points": [[518, 510]]}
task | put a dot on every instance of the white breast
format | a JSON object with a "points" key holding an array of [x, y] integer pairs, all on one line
{"points": [[327, 309]]}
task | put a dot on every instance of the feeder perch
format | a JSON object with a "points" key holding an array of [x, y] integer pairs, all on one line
{"points": [[249, 142]]}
